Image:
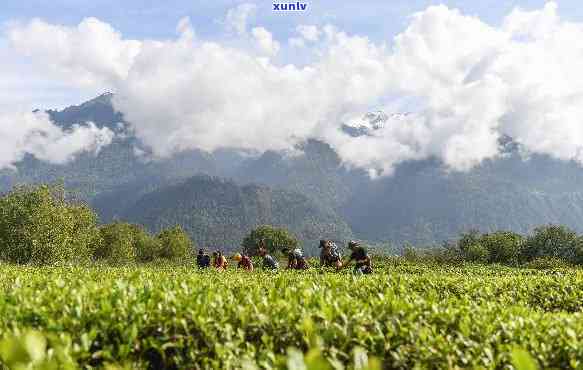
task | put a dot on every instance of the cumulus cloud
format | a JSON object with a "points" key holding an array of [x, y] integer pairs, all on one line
{"points": [[310, 33], [91, 53], [265, 41], [469, 83], [237, 18], [34, 133], [297, 42]]}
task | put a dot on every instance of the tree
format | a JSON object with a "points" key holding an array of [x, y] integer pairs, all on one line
{"points": [[175, 245], [502, 246], [275, 239], [552, 241], [118, 243], [146, 247], [476, 253], [38, 225], [469, 239]]}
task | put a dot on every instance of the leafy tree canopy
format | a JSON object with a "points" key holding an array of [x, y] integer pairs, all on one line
{"points": [[275, 238]]}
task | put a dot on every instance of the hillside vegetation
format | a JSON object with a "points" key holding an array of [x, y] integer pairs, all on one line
{"points": [[219, 213]]}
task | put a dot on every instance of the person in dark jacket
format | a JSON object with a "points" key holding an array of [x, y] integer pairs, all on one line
{"points": [[203, 260], [329, 254], [269, 263], [362, 261]]}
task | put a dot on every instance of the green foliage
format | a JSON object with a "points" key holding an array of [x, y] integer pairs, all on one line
{"points": [[218, 213], [125, 243], [146, 246], [522, 360], [33, 350], [476, 253], [547, 263], [175, 245], [119, 243], [469, 239], [275, 239], [553, 241], [502, 246], [406, 315], [498, 247], [38, 225]]}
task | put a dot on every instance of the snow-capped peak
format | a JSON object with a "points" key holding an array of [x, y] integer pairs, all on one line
{"points": [[372, 121]]}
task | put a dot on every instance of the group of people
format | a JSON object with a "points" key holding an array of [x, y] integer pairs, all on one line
{"points": [[330, 256]]}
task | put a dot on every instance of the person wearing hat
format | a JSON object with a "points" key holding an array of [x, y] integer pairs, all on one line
{"points": [[362, 261], [243, 262], [295, 259]]}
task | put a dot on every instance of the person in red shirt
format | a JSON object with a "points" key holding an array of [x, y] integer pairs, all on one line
{"points": [[219, 262], [244, 262]]}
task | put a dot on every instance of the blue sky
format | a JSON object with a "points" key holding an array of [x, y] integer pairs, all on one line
{"points": [[154, 19], [157, 19]]}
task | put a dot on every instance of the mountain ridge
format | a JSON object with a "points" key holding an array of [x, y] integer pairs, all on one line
{"points": [[421, 203]]}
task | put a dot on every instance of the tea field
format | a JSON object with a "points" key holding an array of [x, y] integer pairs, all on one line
{"points": [[405, 315]]}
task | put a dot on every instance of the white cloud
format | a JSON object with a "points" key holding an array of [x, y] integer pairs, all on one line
{"points": [[310, 33], [33, 133], [237, 18], [471, 82], [265, 41], [296, 42], [91, 53]]}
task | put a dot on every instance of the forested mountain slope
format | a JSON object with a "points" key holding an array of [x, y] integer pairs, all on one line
{"points": [[219, 213], [421, 203]]}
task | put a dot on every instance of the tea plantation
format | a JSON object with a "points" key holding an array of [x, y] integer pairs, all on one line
{"points": [[405, 315]]}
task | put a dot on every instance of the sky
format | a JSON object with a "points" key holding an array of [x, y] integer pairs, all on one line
{"points": [[220, 74], [380, 20]]}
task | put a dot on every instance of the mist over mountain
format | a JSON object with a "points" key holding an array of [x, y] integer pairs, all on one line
{"points": [[309, 191]]}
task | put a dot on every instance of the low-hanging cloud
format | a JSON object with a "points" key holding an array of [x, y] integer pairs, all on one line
{"points": [[35, 134], [469, 83]]}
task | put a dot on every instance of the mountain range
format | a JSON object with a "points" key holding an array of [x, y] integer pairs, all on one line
{"points": [[217, 197]]}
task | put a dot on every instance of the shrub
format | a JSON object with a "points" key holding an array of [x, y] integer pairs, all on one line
{"points": [[469, 239], [502, 246], [275, 239], [118, 243], [547, 263], [552, 241], [127, 243], [39, 226], [476, 253], [175, 245], [146, 247]]}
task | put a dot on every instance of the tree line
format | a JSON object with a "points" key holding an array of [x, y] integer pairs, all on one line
{"points": [[545, 246], [39, 224]]}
